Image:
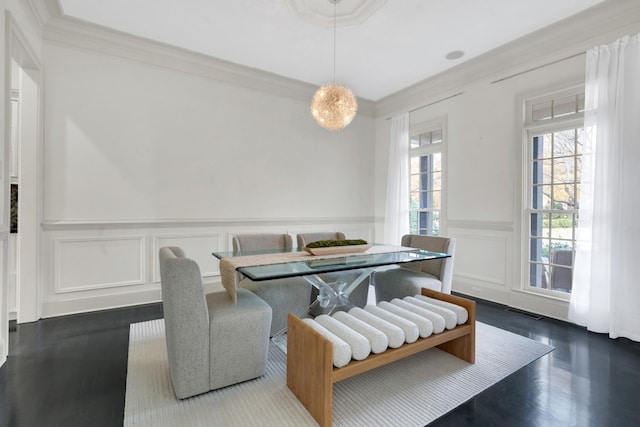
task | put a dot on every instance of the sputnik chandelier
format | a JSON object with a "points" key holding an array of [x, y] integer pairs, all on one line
{"points": [[334, 106]]}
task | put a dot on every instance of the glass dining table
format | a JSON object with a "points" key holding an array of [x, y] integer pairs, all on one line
{"points": [[333, 295]]}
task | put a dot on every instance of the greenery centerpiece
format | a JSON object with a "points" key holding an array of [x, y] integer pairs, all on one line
{"points": [[331, 247], [333, 243]]}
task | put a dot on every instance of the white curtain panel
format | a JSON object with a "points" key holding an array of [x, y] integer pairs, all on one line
{"points": [[396, 223], [606, 280]]}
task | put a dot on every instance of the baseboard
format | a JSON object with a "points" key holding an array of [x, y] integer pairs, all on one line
{"points": [[521, 300], [3, 352], [104, 302], [480, 289]]}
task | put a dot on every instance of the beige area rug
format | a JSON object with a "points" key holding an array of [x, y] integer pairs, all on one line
{"points": [[410, 392]]}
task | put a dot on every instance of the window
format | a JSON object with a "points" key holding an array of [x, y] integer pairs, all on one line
{"points": [[426, 179], [554, 132]]}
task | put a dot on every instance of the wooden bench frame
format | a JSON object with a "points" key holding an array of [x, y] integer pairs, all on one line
{"points": [[310, 370]]}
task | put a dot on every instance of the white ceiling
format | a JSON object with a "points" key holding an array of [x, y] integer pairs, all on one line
{"points": [[400, 42]]}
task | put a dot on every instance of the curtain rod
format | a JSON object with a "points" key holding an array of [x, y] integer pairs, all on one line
{"points": [[499, 80], [537, 68], [432, 103]]}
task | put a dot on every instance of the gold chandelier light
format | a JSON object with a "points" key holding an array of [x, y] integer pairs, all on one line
{"points": [[334, 106]]}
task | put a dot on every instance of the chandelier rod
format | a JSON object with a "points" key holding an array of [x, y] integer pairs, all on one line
{"points": [[335, 6]]}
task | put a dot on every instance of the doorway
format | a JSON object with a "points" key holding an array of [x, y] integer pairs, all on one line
{"points": [[22, 169]]}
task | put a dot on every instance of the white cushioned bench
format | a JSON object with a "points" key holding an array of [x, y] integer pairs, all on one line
{"points": [[329, 349]]}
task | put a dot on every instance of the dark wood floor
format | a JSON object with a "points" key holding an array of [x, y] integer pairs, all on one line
{"points": [[71, 371]]}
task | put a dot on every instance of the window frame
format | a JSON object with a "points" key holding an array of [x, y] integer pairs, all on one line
{"points": [[439, 124], [530, 129]]}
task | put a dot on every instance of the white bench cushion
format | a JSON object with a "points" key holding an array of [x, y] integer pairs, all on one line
{"points": [[360, 345], [378, 340], [394, 333], [341, 350], [450, 318], [436, 319], [425, 327], [411, 332], [461, 312]]}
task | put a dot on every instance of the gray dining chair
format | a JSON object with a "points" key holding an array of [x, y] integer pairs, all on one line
{"points": [[211, 342], [285, 296], [359, 295], [407, 280]]}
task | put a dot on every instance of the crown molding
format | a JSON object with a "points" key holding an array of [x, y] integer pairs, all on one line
{"points": [[88, 224], [39, 11], [43, 10], [69, 31], [599, 24]]}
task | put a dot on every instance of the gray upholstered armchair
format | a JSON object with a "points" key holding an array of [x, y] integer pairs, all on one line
{"points": [[211, 342], [359, 296], [407, 280], [283, 295]]}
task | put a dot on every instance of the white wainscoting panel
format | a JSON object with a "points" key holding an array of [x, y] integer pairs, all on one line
{"points": [[195, 246], [481, 257], [92, 266], [83, 264]]}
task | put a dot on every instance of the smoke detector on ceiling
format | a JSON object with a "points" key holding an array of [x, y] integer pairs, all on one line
{"points": [[454, 54]]}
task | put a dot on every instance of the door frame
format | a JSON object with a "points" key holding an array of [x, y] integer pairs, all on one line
{"points": [[19, 49]]}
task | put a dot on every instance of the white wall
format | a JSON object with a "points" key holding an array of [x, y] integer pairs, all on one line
{"points": [[485, 145], [138, 156], [131, 141]]}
